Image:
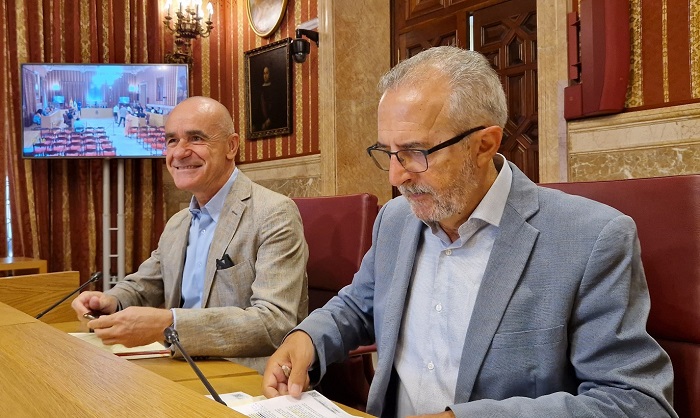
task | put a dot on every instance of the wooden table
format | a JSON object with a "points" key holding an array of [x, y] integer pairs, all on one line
{"points": [[224, 376], [34, 293], [177, 370], [52, 120], [46, 372], [12, 316], [156, 119], [14, 264], [97, 112], [180, 371]]}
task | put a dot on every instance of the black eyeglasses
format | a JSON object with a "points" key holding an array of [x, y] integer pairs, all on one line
{"points": [[413, 160]]}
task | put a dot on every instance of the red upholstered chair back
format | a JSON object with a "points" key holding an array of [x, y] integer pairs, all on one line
{"points": [[667, 213], [338, 230]]}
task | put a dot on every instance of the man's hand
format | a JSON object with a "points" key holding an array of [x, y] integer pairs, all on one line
{"points": [[286, 372], [134, 326], [94, 302]]}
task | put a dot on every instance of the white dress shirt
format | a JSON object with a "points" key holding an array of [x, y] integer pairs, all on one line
{"points": [[444, 286]]}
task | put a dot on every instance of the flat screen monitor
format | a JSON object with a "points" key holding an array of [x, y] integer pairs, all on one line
{"points": [[98, 110]]}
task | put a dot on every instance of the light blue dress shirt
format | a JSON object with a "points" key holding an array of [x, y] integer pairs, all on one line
{"points": [[446, 279], [201, 234]]}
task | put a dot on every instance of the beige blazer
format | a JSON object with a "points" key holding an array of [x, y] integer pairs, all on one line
{"points": [[250, 306]]}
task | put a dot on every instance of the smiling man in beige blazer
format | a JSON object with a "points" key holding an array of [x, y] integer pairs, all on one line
{"points": [[229, 271]]}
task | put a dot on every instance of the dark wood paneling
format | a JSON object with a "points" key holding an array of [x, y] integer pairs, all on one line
{"points": [[445, 31], [409, 13], [418, 8], [507, 35]]}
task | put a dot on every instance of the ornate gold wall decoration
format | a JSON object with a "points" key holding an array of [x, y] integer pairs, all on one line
{"points": [[664, 47], [695, 49], [634, 92]]}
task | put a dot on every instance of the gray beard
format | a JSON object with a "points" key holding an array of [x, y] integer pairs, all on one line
{"points": [[446, 203]]}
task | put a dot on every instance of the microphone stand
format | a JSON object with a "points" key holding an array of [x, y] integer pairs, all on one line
{"points": [[172, 337], [95, 276]]}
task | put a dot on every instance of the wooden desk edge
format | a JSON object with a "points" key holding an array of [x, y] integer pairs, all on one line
{"points": [[195, 384], [22, 263]]}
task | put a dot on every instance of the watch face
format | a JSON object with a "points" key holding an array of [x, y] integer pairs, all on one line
{"points": [[265, 16]]}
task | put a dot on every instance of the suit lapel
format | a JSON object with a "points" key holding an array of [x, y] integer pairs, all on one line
{"points": [[172, 260], [226, 227], [508, 258], [396, 299]]}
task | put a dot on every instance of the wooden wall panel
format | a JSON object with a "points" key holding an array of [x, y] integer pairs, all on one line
{"points": [[678, 40], [652, 58]]}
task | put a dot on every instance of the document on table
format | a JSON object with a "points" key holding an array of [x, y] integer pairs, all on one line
{"points": [[131, 353], [311, 405]]}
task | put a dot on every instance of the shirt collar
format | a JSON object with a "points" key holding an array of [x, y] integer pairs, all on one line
{"points": [[491, 207], [215, 205]]}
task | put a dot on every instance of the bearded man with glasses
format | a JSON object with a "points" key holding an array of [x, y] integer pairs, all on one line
{"points": [[487, 296]]}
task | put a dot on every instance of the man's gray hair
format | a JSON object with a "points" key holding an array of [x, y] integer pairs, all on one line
{"points": [[476, 96]]}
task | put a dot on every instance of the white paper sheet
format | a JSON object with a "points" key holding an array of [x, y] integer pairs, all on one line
{"points": [[311, 405]]}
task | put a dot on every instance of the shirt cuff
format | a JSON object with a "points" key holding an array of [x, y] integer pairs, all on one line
{"points": [[167, 344], [174, 318]]}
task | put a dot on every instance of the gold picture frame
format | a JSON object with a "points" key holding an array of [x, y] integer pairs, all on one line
{"points": [[268, 79], [265, 16]]}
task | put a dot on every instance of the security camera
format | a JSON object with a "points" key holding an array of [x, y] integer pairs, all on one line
{"points": [[300, 46], [300, 49]]}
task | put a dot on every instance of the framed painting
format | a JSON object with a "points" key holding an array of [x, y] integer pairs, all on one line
{"points": [[265, 16], [268, 80]]}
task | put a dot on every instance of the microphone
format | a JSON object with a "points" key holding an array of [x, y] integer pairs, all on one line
{"points": [[95, 276], [172, 338]]}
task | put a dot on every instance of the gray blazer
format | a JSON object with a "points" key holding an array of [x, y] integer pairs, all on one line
{"points": [[250, 306], [558, 328]]}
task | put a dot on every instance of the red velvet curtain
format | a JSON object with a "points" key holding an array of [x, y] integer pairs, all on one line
{"points": [[56, 206]]}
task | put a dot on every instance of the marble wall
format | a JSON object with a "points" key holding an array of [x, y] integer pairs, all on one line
{"points": [[295, 177], [649, 143]]}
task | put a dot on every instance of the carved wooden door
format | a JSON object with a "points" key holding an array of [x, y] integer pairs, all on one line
{"points": [[507, 35], [441, 32]]}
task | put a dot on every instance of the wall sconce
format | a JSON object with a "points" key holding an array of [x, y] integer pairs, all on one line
{"points": [[187, 27], [300, 46]]}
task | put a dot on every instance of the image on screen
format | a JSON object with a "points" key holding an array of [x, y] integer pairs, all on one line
{"points": [[98, 110]]}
